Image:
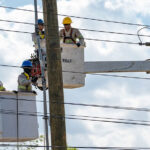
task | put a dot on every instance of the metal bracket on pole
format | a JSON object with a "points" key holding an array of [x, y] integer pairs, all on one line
{"points": [[43, 76]]}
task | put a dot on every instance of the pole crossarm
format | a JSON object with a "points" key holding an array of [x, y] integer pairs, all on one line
{"points": [[116, 66]]}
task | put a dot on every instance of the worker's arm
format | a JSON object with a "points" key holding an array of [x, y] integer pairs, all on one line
{"points": [[80, 37]]}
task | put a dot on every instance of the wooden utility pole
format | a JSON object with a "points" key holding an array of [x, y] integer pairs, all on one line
{"points": [[55, 82]]}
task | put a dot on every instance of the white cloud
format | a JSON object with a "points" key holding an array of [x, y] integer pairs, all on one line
{"points": [[113, 4], [127, 6]]}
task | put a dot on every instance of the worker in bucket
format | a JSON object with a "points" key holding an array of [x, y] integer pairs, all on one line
{"points": [[41, 33], [2, 87], [25, 79], [71, 35]]}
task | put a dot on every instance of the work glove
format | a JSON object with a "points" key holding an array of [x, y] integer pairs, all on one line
{"points": [[34, 92], [78, 44]]}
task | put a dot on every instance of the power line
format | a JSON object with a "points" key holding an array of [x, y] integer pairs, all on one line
{"points": [[108, 21], [40, 114], [89, 39], [19, 22], [85, 105], [82, 104], [21, 9], [12, 66], [111, 32], [85, 18], [102, 120], [7, 30], [90, 30], [84, 118], [112, 41], [107, 106], [110, 75], [93, 117]]}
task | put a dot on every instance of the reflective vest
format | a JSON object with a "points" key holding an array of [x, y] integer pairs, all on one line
{"points": [[42, 34], [27, 76], [71, 36], [25, 87], [2, 88]]}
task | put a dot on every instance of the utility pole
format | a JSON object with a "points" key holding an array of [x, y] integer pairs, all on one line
{"points": [[55, 82]]}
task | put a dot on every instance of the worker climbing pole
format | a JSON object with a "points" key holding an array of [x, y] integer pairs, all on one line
{"points": [[42, 65]]}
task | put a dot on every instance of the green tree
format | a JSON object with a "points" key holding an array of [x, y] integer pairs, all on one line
{"points": [[35, 142]]}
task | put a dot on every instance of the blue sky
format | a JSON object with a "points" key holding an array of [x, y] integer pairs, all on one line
{"points": [[98, 89]]}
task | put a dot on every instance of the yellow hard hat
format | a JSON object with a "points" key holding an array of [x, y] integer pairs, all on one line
{"points": [[67, 20]]}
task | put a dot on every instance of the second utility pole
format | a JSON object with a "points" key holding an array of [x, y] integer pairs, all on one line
{"points": [[55, 81]]}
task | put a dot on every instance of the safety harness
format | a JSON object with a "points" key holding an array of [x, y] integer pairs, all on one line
{"points": [[68, 37], [42, 34]]}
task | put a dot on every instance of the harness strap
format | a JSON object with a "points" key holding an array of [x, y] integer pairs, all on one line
{"points": [[42, 34], [70, 37], [27, 76]]}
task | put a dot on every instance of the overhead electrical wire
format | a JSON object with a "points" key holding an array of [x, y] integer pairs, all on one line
{"points": [[78, 117], [19, 22], [103, 120], [106, 106], [90, 30], [82, 104], [86, 18], [89, 39], [81, 29], [110, 75], [112, 118], [40, 114], [7, 30], [83, 118]]}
